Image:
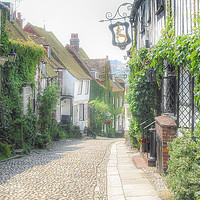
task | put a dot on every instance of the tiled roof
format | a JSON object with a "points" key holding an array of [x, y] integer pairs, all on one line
{"points": [[50, 70], [116, 87], [59, 53], [120, 80], [15, 32], [97, 65], [78, 59], [83, 54]]}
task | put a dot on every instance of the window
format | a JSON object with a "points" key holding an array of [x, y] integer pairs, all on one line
{"points": [[80, 85], [159, 6], [85, 111], [121, 102], [95, 74], [81, 112], [148, 5], [75, 114], [113, 122], [87, 87], [27, 98], [117, 101], [142, 17], [169, 90]]}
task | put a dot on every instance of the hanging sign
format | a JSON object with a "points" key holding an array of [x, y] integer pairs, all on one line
{"points": [[120, 36]]}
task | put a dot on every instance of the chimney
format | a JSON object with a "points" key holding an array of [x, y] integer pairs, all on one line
{"points": [[74, 41], [19, 19]]}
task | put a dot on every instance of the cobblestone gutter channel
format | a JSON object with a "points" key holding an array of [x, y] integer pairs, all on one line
{"points": [[73, 169]]}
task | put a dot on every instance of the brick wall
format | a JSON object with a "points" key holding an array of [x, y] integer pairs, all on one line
{"points": [[165, 131]]}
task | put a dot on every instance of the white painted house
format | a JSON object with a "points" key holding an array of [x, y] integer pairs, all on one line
{"points": [[73, 103]]}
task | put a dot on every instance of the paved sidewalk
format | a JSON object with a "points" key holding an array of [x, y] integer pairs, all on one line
{"points": [[125, 181]]}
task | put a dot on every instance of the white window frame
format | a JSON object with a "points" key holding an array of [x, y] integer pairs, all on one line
{"points": [[81, 112], [87, 87], [121, 102], [80, 86], [27, 96]]}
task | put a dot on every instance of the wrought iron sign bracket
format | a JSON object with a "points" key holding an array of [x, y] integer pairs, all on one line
{"points": [[119, 30]]}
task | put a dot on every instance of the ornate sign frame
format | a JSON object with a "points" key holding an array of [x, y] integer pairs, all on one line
{"points": [[120, 39]]}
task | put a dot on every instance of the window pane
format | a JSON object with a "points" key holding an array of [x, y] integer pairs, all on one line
{"points": [[81, 112]]}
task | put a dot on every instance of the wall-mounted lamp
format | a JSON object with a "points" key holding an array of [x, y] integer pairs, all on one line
{"points": [[11, 56]]}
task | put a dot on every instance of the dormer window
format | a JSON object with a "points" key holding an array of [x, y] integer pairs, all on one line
{"points": [[112, 77], [95, 74], [48, 48]]}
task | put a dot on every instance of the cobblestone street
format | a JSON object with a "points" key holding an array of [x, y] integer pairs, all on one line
{"points": [[70, 169]]}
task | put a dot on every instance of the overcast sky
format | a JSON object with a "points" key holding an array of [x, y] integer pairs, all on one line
{"points": [[64, 17]]}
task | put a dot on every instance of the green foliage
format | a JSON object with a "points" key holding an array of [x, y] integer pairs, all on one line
{"points": [[72, 131], [96, 90], [183, 51], [5, 150], [48, 127], [184, 167], [75, 132], [98, 115], [12, 78], [142, 100], [135, 132], [29, 124], [5, 119], [90, 133], [42, 140]]}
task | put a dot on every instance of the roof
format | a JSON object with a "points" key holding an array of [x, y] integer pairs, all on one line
{"points": [[78, 59], [59, 55], [15, 32], [120, 80], [83, 54], [97, 65], [116, 87]]}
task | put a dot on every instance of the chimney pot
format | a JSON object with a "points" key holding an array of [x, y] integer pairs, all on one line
{"points": [[74, 41], [19, 16]]}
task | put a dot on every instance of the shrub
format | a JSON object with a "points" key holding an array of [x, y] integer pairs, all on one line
{"points": [[98, 115], [135, 133], [5, 149], [90, 132], [42, 140], [184, 167], [75, 132]]}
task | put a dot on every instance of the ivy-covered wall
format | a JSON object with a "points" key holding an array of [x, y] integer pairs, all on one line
{"points": [[104, 94], [17, 129], [183, 51]]}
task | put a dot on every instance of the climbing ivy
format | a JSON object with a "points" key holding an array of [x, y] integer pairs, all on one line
{"points": [[101, 94], [183, 51], [12, 79]]}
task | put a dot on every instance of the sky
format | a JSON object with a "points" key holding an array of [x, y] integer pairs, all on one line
{"points": [[64, 17]]}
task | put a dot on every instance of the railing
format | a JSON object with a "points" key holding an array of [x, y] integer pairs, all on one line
{"points": [[149, 138]]}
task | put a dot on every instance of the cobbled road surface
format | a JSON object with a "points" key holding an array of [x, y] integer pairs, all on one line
{"points": [[70, 169]]}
